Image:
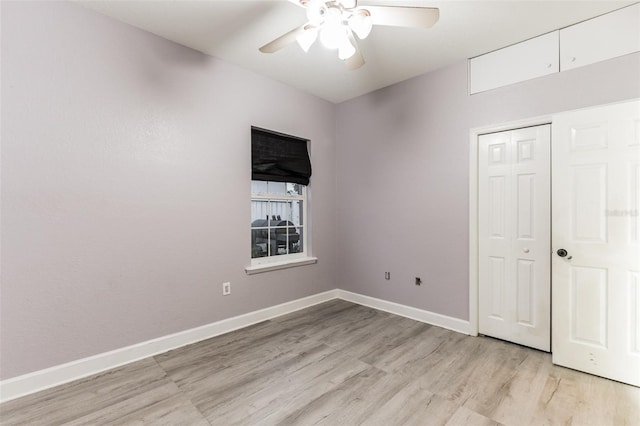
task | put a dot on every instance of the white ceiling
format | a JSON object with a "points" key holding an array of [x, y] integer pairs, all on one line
{"points": [[234, 30]]}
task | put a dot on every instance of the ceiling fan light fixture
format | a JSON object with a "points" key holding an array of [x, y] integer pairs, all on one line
{"points": [[348, 4], [339, 24], [361, 24], [333, 36], [316, 11], [307, 38], [346, 49]]}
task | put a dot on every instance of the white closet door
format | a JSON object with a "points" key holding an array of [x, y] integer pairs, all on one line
{"points": [[514, 236], [596, 283]]}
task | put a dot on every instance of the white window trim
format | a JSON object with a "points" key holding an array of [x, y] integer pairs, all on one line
{"points": [[271, 263], [284, 264]]}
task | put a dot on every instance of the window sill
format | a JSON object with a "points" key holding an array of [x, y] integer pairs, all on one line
{"points": [[273, 266]]}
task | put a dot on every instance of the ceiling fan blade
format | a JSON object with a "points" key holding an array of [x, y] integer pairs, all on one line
{"points": [[357, 60], [283, 40], [400, 16], [301, 3]]}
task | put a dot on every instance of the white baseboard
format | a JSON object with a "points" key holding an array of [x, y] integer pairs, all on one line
{"points": [[450, 323], [64, 373]]}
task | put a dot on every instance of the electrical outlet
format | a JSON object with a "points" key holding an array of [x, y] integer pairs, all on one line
{"points": [[418, 280], [226, 289]]}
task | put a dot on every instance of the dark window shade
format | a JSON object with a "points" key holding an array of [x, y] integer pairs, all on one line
{"points": [[280, 158]]}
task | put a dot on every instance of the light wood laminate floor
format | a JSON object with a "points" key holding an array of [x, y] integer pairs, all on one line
{"points": [[336, 363]]}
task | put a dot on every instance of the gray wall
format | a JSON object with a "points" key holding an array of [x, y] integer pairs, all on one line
{"points": [[126, 182], [403, 174]]}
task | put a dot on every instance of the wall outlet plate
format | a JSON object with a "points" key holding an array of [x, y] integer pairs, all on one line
{"points": [[226, 289]]}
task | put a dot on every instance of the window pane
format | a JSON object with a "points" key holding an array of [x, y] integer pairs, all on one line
{"points": [[295, 212], [276, 224], [285, 240], [259, 212], [279, 211], [259, 243], [278, 241], [277, 188], [295, 240], [259, 187], [294, 189]]}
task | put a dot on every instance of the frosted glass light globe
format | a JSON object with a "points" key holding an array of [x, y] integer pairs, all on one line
{"points": [[361, 24], [346, 49], [332, 36], [307, 38], [316, 11]]}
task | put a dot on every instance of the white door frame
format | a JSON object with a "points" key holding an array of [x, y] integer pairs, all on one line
{"points": [[473, 204]]}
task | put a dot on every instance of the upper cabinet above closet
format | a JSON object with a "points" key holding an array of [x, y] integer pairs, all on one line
{"points": [[523, 61], [604, 37]]}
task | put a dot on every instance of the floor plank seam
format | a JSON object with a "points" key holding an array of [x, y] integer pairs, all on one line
{"points": [[336, 363]]}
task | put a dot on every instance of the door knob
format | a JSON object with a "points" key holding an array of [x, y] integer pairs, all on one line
{"points": [[562, 252]]}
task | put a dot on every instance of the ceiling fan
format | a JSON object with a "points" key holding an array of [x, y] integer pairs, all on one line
{"points": [[337, 23]]}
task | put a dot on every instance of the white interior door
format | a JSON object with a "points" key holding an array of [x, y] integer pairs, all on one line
{"points": [[514, 236], [596, 285]]}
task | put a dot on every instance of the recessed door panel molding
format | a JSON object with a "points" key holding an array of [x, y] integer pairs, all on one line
{"points": [[634, 312], [525, 292], [497, 275], [589, 206], [497, 154], [497, 189], [589, 136], [596, 255], [635, 139], [526, 150], [633, 215], [589, 301], [526, 206], [514, 204]]}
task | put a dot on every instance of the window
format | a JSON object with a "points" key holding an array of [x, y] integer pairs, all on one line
{"points": [[278, 221], [280, 175]]}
